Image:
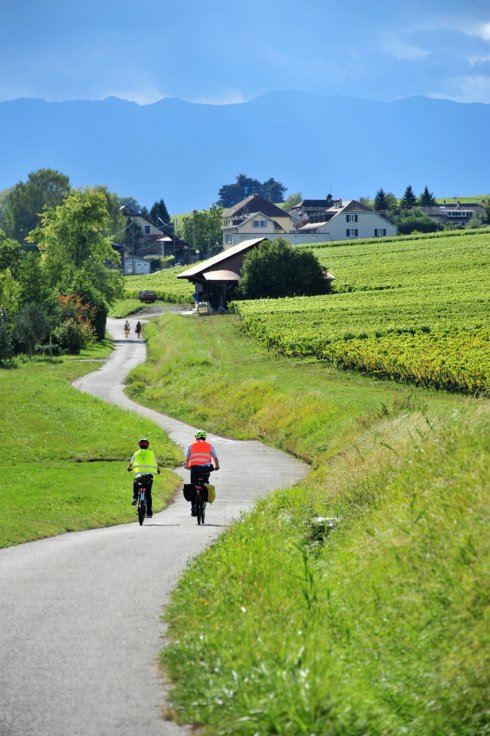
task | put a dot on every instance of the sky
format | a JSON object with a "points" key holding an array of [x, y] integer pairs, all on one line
{"points": [[228, 51]]}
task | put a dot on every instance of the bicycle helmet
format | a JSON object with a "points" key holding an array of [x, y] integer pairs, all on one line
{"points": [[144, 443], [201, 435]]}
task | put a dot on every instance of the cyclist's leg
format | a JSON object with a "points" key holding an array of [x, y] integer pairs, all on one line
{"points": [[135, 491], [149, 508]]}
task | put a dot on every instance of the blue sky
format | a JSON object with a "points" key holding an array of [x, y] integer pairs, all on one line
{"points": [[224, 51]]}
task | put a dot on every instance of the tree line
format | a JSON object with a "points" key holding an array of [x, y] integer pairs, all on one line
{"points": [[58, 270]]}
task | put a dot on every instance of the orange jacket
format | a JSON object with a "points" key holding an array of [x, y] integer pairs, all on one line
{"points": [[200, 453]]}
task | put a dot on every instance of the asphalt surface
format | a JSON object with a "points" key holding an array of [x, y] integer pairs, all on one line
{"points": [[80, 624]]}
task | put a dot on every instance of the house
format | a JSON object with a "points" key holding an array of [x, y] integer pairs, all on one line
{"points": [[346, 220], [457, 214], [134, 265], [216, 277], [252, 217], [312, 210], [158, 240]]}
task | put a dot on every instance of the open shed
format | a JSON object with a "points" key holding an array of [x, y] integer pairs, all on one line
{"points": [[216, 277]]}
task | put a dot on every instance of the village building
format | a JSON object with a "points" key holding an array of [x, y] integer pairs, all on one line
{"points": [[132, 266], [252, 217], [158, 240], [457, 214], [311, 221], [346, 220]]}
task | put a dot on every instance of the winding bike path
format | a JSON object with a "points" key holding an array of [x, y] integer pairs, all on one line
{"points": [[80, 625]]}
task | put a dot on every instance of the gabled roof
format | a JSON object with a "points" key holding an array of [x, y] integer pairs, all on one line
{"points": [[252, 216], [255, 203], [220, 259]]}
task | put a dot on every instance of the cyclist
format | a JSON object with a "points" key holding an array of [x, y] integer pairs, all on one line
{"points": [[137, 329], [144, 463], [126, 328], [199, 459]]}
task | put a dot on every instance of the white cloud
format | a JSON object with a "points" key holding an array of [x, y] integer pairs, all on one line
{"points": [[402, 50], [227, 98], [482, 59], [483, 31], [470, 88]]}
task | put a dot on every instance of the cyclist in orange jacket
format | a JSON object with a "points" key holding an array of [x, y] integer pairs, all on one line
{"points": [[200, 456]]}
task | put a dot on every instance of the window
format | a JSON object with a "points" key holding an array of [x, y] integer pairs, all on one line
{"points": [[259, 223], [147, 229], [380, 232], [351, 218], [351, 232]]}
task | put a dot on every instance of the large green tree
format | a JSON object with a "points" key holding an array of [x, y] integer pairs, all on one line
{"points": [[427, 198], [24, 203], [244, 186], [202, 230], [159, 213], [276, 269], [76, 250], [409, 200]]}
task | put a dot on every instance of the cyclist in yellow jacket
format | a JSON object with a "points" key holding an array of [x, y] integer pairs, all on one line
{"points": [[144, 463]]}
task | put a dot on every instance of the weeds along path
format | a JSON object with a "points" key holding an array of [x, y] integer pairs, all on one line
{"points": [[81, 628]]}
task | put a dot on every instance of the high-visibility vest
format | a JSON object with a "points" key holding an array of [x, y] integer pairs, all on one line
{"points": [[200, 453], [144, 462]]}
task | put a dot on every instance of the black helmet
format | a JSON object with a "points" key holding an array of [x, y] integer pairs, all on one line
{"points": [[144, 443]]}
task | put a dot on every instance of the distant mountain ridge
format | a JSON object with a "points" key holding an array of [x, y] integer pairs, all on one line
{"points": [[184, 151]]}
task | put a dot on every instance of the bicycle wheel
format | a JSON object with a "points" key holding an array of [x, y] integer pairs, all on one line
{"points": [[141, 512]]}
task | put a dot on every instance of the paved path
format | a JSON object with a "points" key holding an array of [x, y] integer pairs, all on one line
{"points": [[79, 613]]}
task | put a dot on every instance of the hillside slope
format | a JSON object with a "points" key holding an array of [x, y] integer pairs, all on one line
{"points": [[347, 145]]}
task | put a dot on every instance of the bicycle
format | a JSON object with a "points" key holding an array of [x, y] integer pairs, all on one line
{"points": [[201, 494], [141, 505]]}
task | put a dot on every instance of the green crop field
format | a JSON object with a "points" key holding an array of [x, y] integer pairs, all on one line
{"points": [[164, 283], [416, 310]]}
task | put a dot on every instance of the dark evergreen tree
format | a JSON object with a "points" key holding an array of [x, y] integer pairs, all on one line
{"points": [[230, 194], [159, 213], [380, 202], [427, 198], [272, 190], [409, 200]]}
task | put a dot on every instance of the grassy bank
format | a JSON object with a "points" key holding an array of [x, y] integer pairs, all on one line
{"points": [[63, 454], [372, 623], [124, 307]]}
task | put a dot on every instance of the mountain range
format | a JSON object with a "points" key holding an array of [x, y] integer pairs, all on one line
{"points": [[185, 151]]}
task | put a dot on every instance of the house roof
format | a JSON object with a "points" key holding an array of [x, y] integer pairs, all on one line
{"points": [[320, 203], [255, 203], [252, 216], [220, 259], [311, 226]]}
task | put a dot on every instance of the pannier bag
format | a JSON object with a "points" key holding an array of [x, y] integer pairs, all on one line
{"points": [[189, 492], [211, 492]]}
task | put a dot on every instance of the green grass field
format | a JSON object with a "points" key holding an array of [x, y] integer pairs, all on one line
{"points": [[373, 627], [63, 454], [164, 283], [125, 307]]}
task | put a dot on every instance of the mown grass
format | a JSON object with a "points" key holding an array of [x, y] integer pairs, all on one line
{"points": [[371, 624], [63, 454]]}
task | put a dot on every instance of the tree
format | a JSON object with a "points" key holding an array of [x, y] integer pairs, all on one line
{"points": [[409, 200], [32, 326], [159, 213], [25, 202], [380, 203], [75, 250], [5, 338], [416, 221], [202, 230], [427, 198], [230, 194], [133, 237], [276, 269], [117, 220], [292, 201]]}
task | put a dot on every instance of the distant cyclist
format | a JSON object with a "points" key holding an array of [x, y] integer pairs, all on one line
{"points": [[200, 456], [137, 329], [127, 328], [144, 463]]}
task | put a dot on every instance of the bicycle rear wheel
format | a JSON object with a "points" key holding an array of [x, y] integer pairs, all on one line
{"points": [[141, 512]]}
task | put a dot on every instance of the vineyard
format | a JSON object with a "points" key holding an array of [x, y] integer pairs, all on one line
{"points": [[164, 283], [414, 310]]}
